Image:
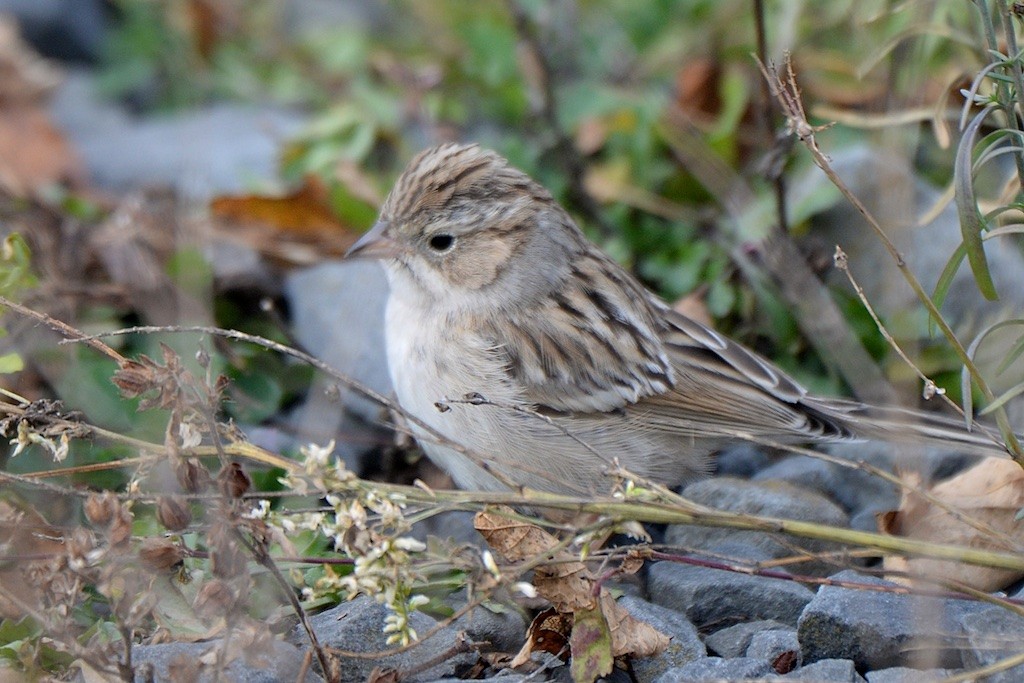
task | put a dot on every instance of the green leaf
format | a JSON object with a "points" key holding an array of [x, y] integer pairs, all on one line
{"points": [[15, 266], [1001, 400], [590, 645], [259, 398], [972, 224], [946, 280], [11, 362]]}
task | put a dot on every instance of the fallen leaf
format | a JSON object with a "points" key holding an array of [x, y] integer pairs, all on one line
{"points": [[991, 492], [630, 636], [299, 226], [590, 644], [514, 540], [571, 588], [697, 91], [548, 632]]}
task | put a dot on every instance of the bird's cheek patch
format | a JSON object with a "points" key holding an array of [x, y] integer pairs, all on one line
{"points": [[479, 264]]}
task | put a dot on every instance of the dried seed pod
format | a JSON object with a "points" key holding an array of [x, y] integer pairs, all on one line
{"points": [[215, 599], [119, 533], [227, 558], [173, 513], [234, 482], [100, 508], [160, 554], [192, 475]]}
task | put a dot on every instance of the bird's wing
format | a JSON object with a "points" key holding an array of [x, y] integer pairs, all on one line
{"points": [[593, 346], [723, 388]]}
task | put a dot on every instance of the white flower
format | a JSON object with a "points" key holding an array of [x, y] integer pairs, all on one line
{"points": [[526, 589], [490, 564], [316, 457], [409, 544]]}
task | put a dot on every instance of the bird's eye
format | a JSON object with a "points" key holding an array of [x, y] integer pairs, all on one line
{"points": [[441, 242]]}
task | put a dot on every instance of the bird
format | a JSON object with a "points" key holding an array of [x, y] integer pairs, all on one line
{"points": [[529, 358]]}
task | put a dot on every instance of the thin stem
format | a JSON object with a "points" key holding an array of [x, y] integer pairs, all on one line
{"points": [[1018, 81]]}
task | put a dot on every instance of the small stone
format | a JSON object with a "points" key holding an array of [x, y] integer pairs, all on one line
{"points": [[879, 629], [733, 641], [685, 644], [993, 633], [504, 627], [764, 498], [902, 674], [852, 489], [779, 647], [453, 526], [337, 314], [357, 626], [714, 599], [828, 671], [717, 669], [179, 661], [741, 460]]}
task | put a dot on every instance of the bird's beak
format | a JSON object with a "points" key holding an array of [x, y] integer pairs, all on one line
{"points": [[377, 243]]}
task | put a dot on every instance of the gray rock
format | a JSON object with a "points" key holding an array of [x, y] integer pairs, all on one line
{"points": [[902, 674], [773, 644], [713, 599], [878, 630], [454, 526], [216, 149], [867, 519], [188, 661], [59, 29], [741, 460], [853, 489], [684, 647], [993, 633], [733, 641], [827, 670], [357, 626], [766, 498], [504, 627], [717, 669], [338, 316]]}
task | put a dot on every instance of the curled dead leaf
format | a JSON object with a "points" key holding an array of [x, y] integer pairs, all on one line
{"points": [[991, 492]]}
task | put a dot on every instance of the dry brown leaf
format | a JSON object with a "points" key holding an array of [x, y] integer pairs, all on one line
{"points": [[991, 492], [630, 636], [569, 585], [33, 153], [514, 540], [549, 632], [697, 88], [299, 226]]}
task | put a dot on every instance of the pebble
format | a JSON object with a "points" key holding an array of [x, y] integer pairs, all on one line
{"points": [[713, 599], [357, 626], [763, 498], [685, 646], [717, 669], [879, 630], [733, 641], [827, 671], [178, 661]]}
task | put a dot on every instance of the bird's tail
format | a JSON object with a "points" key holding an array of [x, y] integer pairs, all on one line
{"points": [[912, 426]]}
